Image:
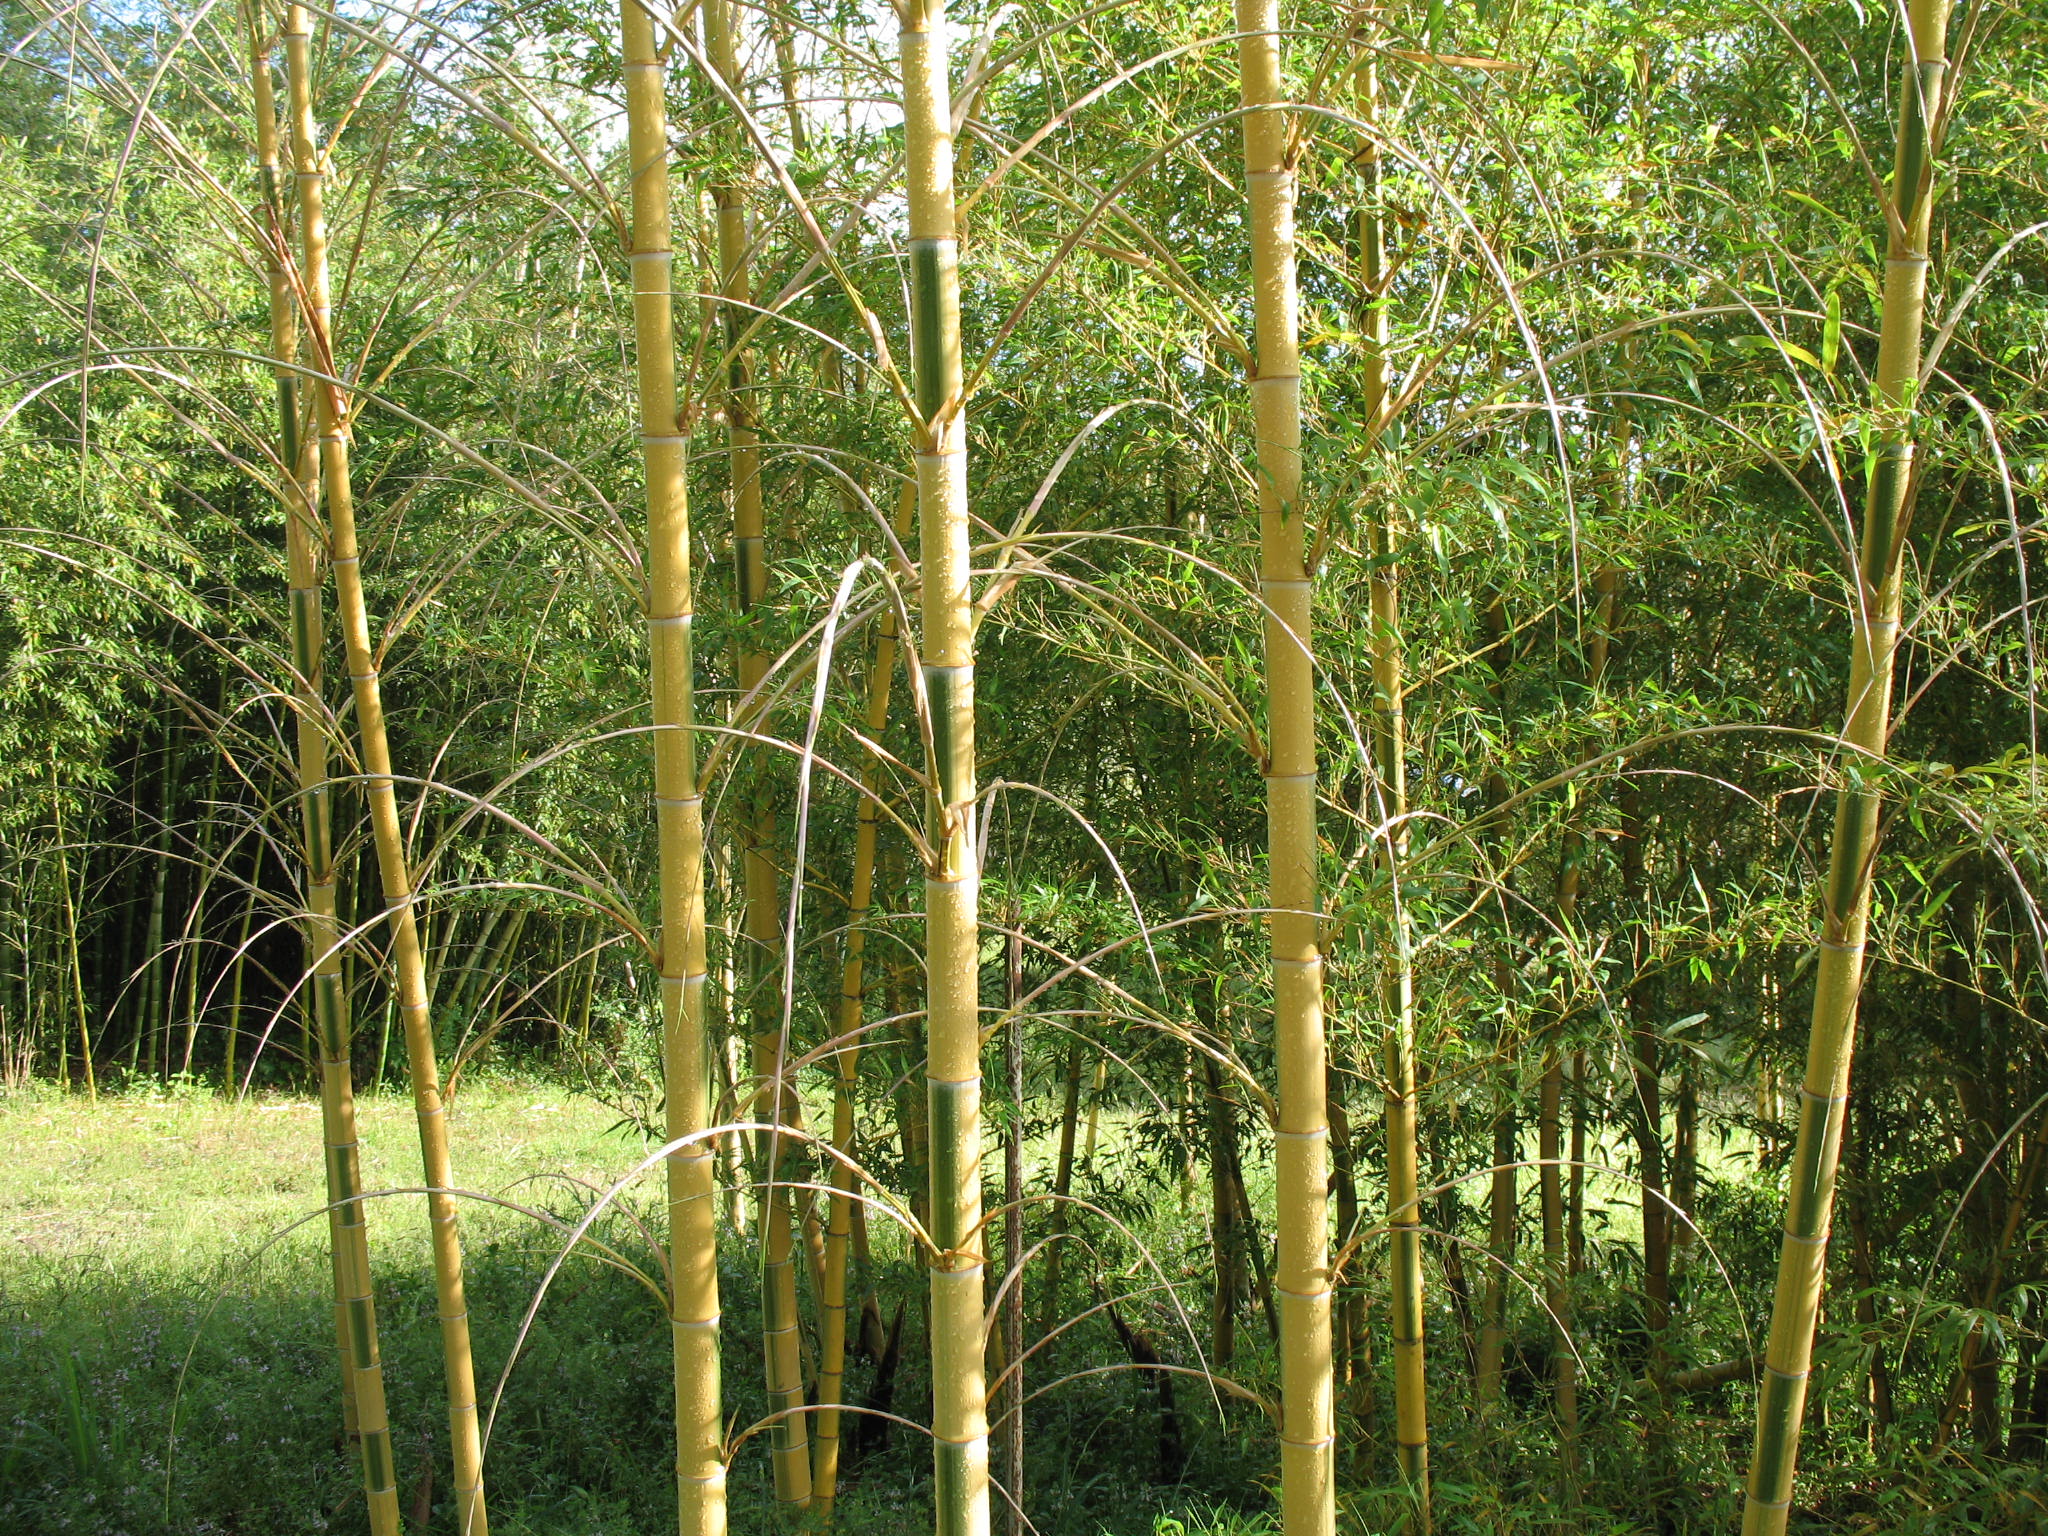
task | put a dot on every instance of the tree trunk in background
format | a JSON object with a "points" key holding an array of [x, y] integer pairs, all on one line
{"points": [[1863, 1254], [1010, 1443], [1062, 1187], [1223, 1234], [1097, 1089], [92, 1087], [1389, 807], [843, 1209], [1503, 1193], [195, 924], [1562, 1208], [153, 1021], [1575, 1193], [1556, 1281], [1685, 1161], [1349, 1311]]}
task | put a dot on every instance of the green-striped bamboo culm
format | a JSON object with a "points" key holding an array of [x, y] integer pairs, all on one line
{"points": [[952, 879], [1874, 605], [332, 416], [355, 1304], [679, 808]]}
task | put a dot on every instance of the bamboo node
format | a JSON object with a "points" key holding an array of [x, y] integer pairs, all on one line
{"points": [[1320, 1443]]}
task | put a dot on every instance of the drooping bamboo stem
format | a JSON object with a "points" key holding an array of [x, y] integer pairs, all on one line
{"points": [[333, 419], [1845, 898], [852, 988], [1302, 1134], [1389, 753], [952, 880], [678, 807], [348, 1230]]}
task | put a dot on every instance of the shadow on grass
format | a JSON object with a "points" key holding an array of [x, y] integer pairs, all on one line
{"points": [[95, 1362]]}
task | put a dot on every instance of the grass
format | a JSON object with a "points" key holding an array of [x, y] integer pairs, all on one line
{"points": [[167, 1356], [166, 1337], [172, 1179]]}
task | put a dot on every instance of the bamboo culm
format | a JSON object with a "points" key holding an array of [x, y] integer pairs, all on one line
{"points": [[952, 878], [348, 1230], [776, 1101], [332, 416], [679, 808], [1302, 1277], [1845, 899]]}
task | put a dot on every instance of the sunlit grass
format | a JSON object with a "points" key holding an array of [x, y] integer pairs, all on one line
{"points": [[168, 1360]]}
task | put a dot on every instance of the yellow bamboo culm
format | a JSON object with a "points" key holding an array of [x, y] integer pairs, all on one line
{"points": [[355, 1304], [952, 881], [852, 989], [1389, 737], [1845, 910], [776, 1102], [679, 807], [1302, 1136], [332, 417]]}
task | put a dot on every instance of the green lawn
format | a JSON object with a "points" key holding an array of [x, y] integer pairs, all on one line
{"points": [[166, 1339], [167, 1359], [180, 1180]]}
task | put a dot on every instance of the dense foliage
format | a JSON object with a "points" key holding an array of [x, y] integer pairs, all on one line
{"points": [[1632, 298]]}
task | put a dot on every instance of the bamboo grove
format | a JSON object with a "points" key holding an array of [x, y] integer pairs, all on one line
{"points": [[1283, 759]]}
